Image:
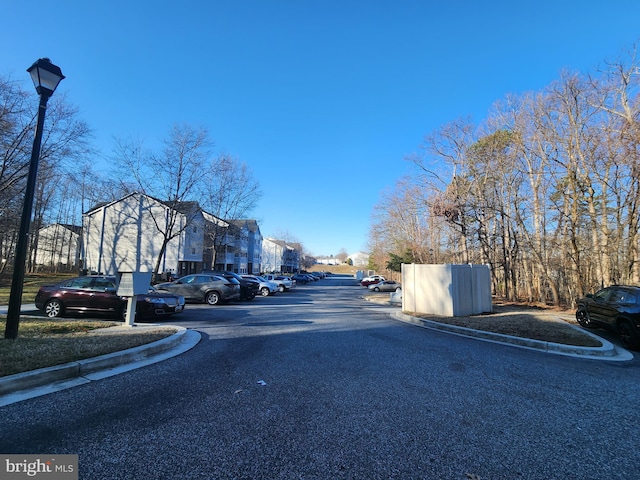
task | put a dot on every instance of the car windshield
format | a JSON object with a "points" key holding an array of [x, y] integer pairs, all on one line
{"points": [[623, 296], [103, 284]]}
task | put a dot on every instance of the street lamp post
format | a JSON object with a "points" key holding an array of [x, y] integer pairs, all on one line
{"points": [[46, 77]]}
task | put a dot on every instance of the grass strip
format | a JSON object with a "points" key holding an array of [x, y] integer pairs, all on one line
{"points": [[46, 343]]}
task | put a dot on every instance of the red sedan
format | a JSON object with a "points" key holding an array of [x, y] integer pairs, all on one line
{"points": [[366, 281]]}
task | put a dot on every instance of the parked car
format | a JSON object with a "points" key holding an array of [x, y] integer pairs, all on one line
{"points": [[284, 283], [366, 281], [98, 294], [615, 308], [266, 287], [307, 278], [301, 278], [248, 288], [385, 286], [155, 303], [211, 289]]}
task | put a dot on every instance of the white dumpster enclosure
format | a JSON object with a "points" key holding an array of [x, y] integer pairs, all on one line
{"points": [[448, 290]]}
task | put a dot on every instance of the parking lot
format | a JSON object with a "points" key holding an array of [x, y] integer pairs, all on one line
{"points": [[319, 383]]}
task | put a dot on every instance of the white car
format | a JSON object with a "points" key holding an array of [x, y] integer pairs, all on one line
{"points": [[284, 283], [267, 287]]}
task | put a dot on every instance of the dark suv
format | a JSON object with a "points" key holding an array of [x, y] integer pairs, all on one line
{"points": [[248, 288], [615, 308]]}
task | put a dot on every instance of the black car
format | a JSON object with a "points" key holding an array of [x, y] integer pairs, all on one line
{"points": [[97, 294], [301, 278], [248, 288], [615, 308], [157, 304]]}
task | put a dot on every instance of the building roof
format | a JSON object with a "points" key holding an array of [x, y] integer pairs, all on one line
{"points": [[252, 225], [186, 207], [74, 228]]}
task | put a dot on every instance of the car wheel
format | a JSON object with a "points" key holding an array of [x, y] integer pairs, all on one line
{"points": [[53, 308], [376, 289], [212, 298], [398, 289], [582, 316], [264, 291], [281, 288], [628, 335]]}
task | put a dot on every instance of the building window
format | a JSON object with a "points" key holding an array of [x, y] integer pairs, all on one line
{"points": [[193, 251]]}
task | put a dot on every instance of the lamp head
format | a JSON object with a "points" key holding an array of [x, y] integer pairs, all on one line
{"points": [[46, 76]]}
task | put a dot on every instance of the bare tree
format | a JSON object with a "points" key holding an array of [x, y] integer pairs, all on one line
{"points": [[342, 255], [64, 146], [64, 141], [548, 194], [175, 177], [229, 193], [447, 156]]}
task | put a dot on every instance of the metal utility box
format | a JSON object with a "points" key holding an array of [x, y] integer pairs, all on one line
{"points": [[449, 290], [133, 283]]}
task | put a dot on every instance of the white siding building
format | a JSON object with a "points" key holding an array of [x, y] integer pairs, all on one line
{"points": [[360, 259], [280, 256], [241, 250], [125, 235], [59, 247], [122, 236]]}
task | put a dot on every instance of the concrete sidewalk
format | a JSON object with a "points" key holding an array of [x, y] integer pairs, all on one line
{"points": [[24, 308]]}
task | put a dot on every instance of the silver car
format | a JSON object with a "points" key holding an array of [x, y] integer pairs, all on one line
{"points": [[211, 289], [385, 286], [266, 287]]}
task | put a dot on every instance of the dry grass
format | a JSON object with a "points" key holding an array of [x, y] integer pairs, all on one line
{"points": [[45, 343], [342, 269], [525, 321]]}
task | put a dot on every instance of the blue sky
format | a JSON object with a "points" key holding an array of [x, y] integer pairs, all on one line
{"points": [[323, 100]]}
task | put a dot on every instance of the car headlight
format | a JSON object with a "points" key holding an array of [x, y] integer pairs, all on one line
{"points": [[153, 300]]}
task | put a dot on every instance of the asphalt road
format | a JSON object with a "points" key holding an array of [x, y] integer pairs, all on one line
{"points": [[318, 384]]}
